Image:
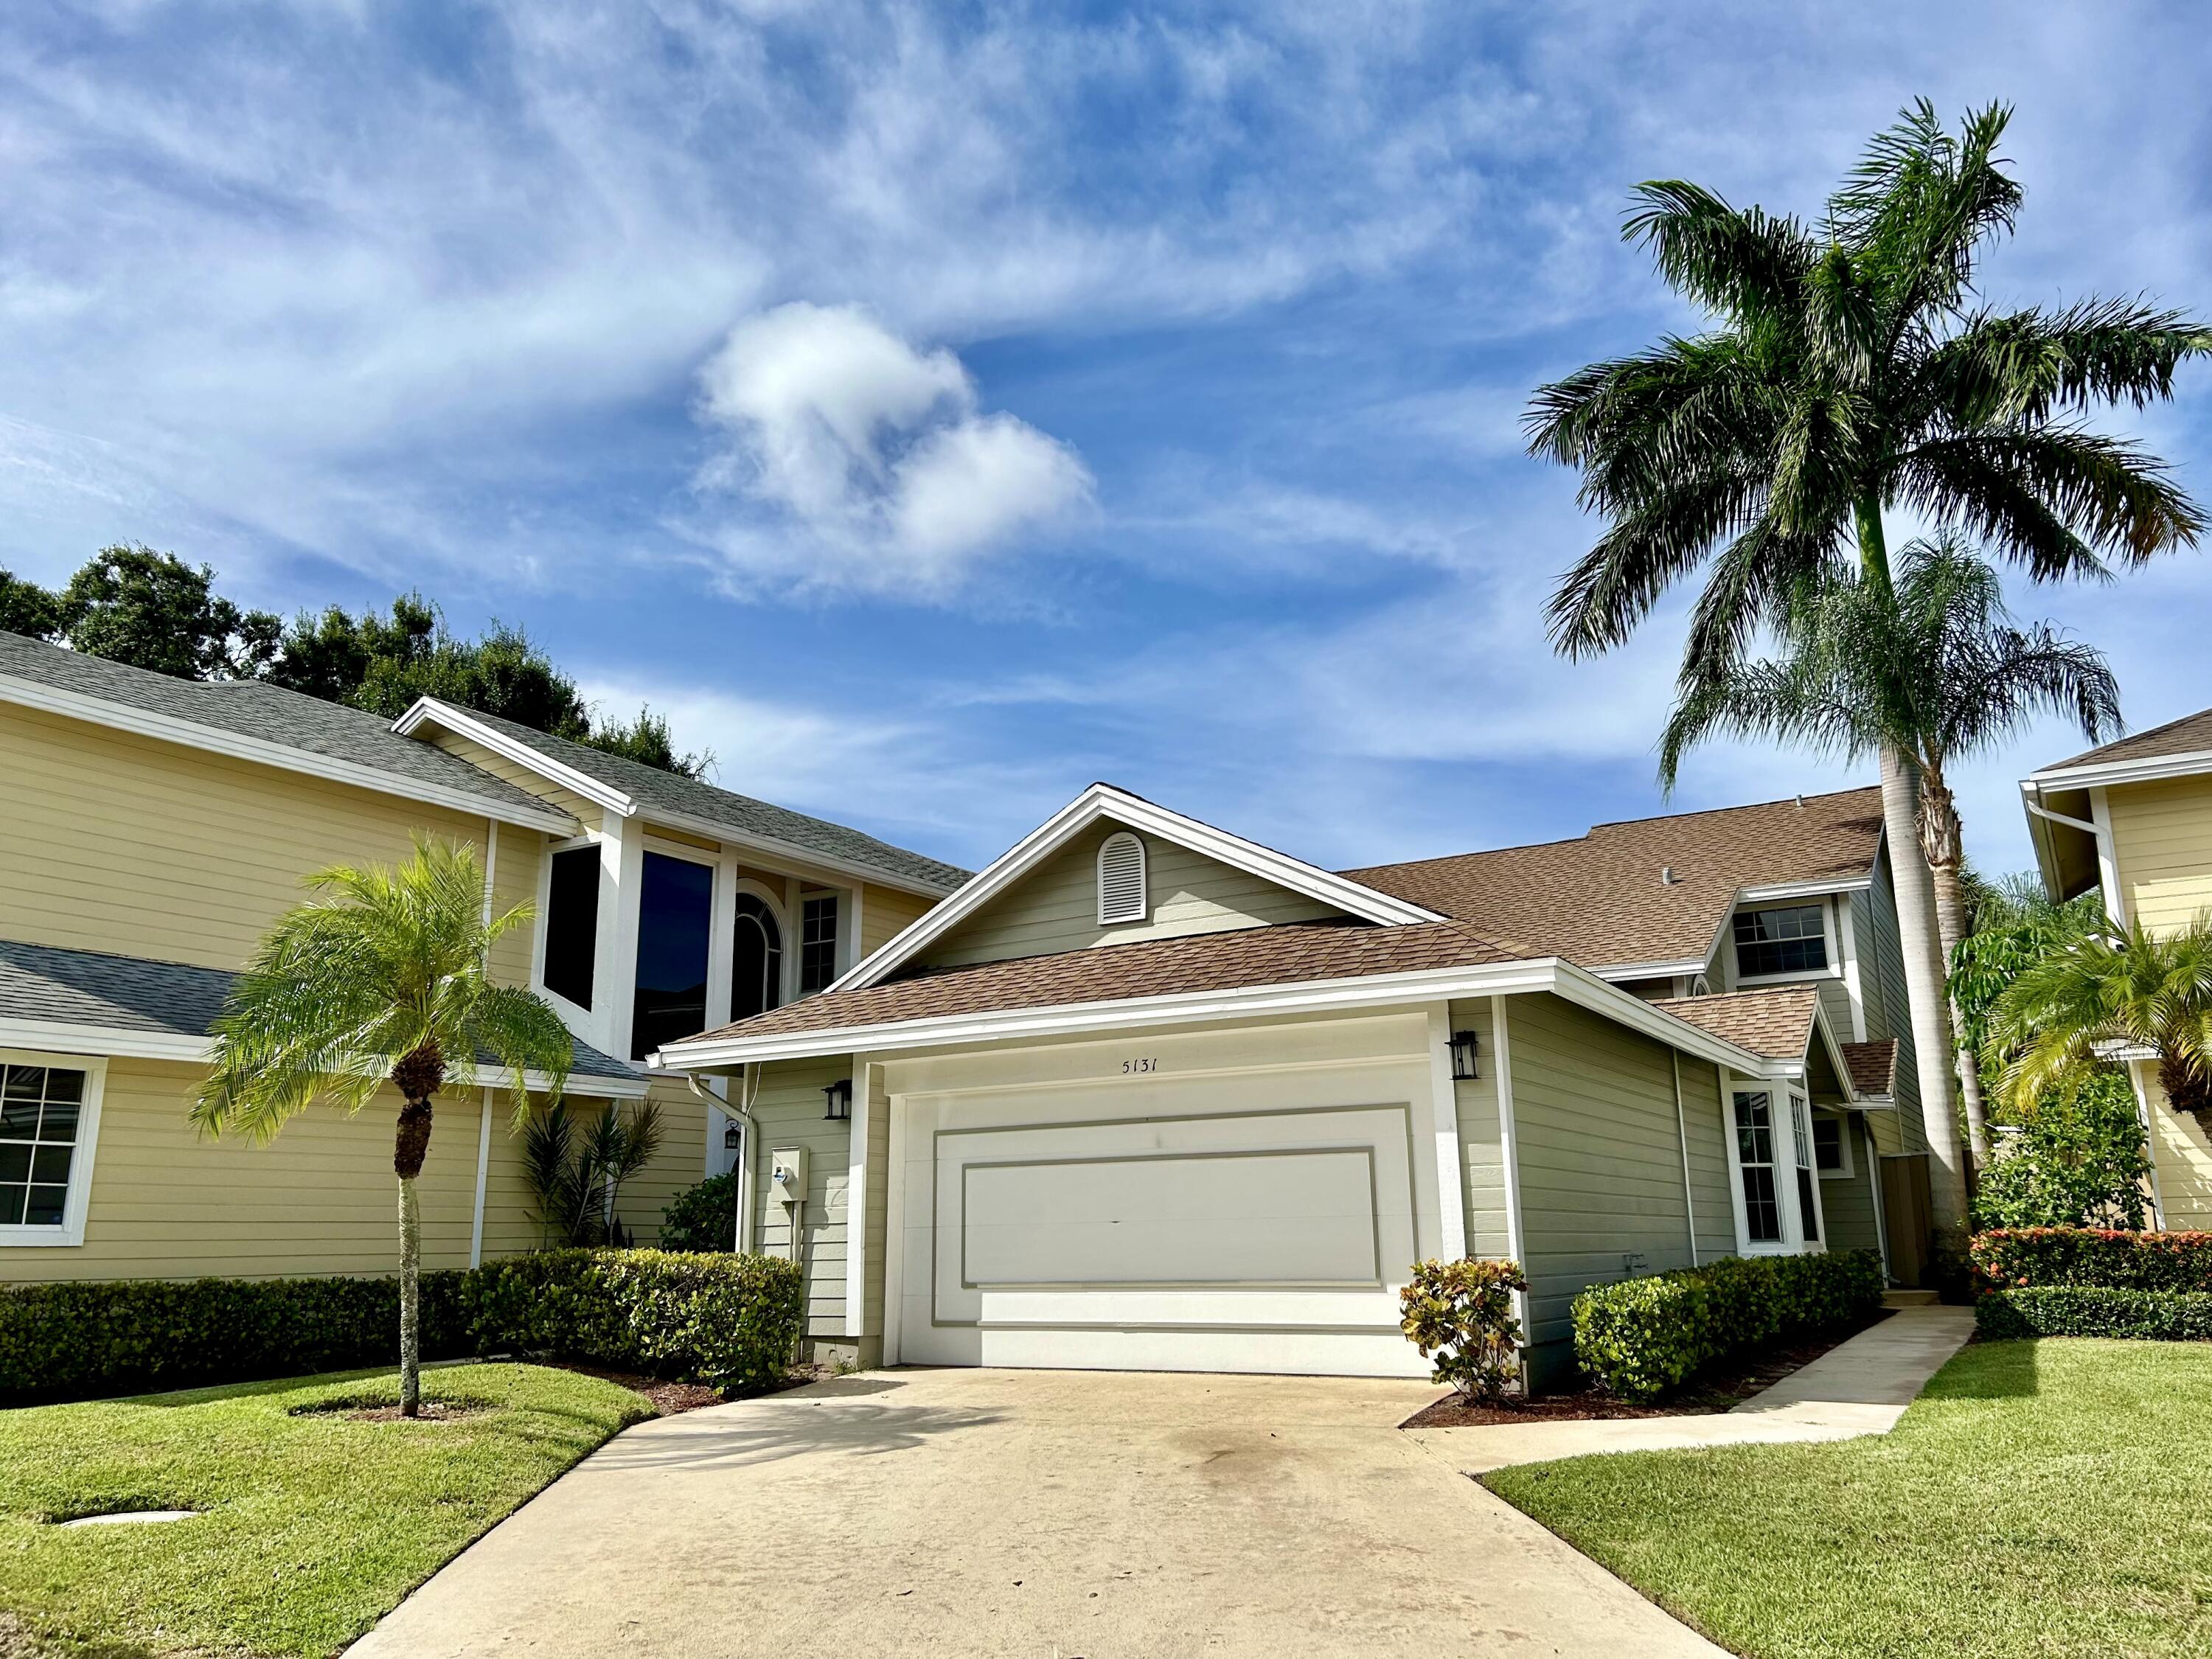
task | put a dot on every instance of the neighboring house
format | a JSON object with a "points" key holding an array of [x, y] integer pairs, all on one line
{"points": [[1144, 1094], [2133, 821], [154, 830]]}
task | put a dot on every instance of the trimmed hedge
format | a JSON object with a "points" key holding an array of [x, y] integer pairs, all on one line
{"points": [[2021, 1258], [1641, 1337], [2095, 1310], [729, 1320]]}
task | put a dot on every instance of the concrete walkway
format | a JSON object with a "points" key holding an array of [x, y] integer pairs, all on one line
{"points": [[1859, 1387], [1044, 1514]]}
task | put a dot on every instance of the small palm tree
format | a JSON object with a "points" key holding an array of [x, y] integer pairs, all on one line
{"points": [[2126, 987], [1849, 370], [575, 1175], [382, 979], [1933, 669]]}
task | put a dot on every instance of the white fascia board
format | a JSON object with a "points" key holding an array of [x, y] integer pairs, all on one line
{"points": [[56, 1037], [191, 734], [2150, 768], [1428, 986], [1102, 800], [1614, 972], [1795, 890], [458, 721]]}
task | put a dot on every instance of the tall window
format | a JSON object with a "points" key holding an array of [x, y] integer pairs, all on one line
{"points": [[1787, 940], [756, 960], [1808, 1208], [818, 944], [39, 1108], [675, 915], [1754, 1146], [572, 923]]}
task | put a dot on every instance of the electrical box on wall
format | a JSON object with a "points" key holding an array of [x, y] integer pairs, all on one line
{"points": [[787, 1175]]}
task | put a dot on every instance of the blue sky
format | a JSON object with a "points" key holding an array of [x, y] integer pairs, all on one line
{"points": [[935, 409]]}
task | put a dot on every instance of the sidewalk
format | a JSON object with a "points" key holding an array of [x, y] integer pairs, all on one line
{"points": [[1860, 1387]]}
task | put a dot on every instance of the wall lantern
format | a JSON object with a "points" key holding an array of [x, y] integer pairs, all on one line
{"points": [[1463, 1053], [733, 1137], [839, 1095]]}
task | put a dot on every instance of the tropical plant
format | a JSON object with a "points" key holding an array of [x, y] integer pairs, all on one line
{"points": [[703, 1218], [2127, 987], [1465, 1314], [1930, 667], [1848, 371], [2077, 1160], [382, 978], [2015, 924], [574, 1174]]}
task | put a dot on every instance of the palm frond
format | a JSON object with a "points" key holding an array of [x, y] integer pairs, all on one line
{"points": [[1742, 263], [2024, 367], [2051, 499]]}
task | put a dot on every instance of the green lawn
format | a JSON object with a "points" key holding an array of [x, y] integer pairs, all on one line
{"points": [[314, 1525], [2047, 1499]]}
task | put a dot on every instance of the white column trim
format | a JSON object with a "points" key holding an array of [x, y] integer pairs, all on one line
{"points": [[856, 1202], [1509, 1153], [1443, 1096], [491, 865], [1682, 1135], [1729, 1137], [1847, 939], [483, 1176], [795, 908], [894, 1228], [2108, 857], [848, 931], [1873, 1180]]}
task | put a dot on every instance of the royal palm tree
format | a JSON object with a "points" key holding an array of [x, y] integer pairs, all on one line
{"points": [[1848, 371], [2125, 987], [381, 979], [1932, 668]]}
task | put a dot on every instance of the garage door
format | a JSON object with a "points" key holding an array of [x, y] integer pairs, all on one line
{"points": [[1190, 1228]]}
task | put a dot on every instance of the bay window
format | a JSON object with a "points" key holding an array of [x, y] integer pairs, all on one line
{"points": [[675, 920], [1754, 1142]]}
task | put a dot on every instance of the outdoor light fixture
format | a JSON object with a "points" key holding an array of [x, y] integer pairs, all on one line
{"points": [[840, 1096], [733, 1138], [1462, 1051]]}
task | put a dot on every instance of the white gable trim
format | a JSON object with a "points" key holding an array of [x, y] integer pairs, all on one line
{"points": [[1103, 801], [462, 724], [191, 734]]}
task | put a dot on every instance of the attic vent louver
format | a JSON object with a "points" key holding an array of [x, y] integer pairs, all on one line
{"points": [[1666, 877], [1122, 878]]}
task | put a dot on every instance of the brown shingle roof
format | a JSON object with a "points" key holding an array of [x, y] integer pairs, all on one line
{"points": [[1873, 1066], [1776, 1023], [1599, 900], [2191, 734], [1287, 953]]}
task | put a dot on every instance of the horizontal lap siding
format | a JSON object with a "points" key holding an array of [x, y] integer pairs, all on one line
{"points": [[127, 844], [876, 1224], [2162, 843], [1600, 1160], [1481, 1158], [1847, 1201], [2183, 1154], [1055, 907], [1706, 1130], [584, 811], [789, 1110], [885, 913], [678, 1166]]}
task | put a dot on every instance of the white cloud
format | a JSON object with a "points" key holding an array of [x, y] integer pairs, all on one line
{"points": [[877, 455]]}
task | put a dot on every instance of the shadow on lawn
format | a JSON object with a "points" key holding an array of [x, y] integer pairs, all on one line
{"points": [[2005, 1370]]}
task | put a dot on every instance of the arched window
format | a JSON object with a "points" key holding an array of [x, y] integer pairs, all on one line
{"points": [[1122, 878], [756, 959]]}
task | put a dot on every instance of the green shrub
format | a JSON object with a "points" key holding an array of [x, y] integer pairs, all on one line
{"points": [[702, 1218], [1462, 1313], [729, 1320], [2077, 1160], [1638, 1338], [2095, 1310], [2021, 1258]]}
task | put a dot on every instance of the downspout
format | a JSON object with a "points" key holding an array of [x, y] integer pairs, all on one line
{"points": [[748, 1089], [1682, 1134]]}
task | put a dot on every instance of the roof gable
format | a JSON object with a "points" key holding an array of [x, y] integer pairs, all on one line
{"points": [[1251, 885]]}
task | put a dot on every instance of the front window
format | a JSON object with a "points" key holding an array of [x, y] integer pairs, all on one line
{"points": [[818, 944], [676, 903], [1754, 1145], [1828, 1146], [41, 1111], [1790, 939], [1809, 1203], [572, 923], [755, 960]]}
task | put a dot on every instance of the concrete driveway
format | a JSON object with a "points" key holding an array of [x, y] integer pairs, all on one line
{"points": [[1052, 1514]]}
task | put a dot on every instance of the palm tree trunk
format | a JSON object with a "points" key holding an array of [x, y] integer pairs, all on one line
{"points": [[1923, 989], [1940, 844], [411, 1145]]}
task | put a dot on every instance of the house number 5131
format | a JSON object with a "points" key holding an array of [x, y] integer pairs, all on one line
{"points": [[1132, 1067]]}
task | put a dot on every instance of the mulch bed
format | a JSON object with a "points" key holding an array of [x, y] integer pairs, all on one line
{"points": [[432, 1411], [668, 1398], [1724, 1387]]}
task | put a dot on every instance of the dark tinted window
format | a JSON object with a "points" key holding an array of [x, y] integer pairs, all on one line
{"points": [[817, 947], [755, 960], [1788, 941], [571, 924], [675, 911], [1754, 1145]]}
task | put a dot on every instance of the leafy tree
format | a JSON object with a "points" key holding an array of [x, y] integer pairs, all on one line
{"points": [[2125, 987], [647, 740], [2015, 924], [575, 1173], [2078, 1160], [27, 608], [132, 604], [1931, 668], [1848, 370], [702, 1217], [381, 979]]}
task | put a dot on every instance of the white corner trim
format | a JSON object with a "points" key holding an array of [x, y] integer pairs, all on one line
{"points": [[1443, 1094], [2108, 856], [1667, 968], [483, 1175], [191, 734], [1779, 891], [70, 1234], [1102, 800], [1509, 1156], [429, 711], [856, 1199]]}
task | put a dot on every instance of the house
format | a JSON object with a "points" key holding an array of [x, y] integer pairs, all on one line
{"points": [[154, 828], [2132, 820], [1147, 1094]]}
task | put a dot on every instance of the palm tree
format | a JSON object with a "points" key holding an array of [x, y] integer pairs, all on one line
{"points": [[1848, 370], [381, 979], [1932, 669], [575, 1175], [2128, 988]]}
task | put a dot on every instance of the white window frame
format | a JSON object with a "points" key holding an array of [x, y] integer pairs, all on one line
{"points": [[1831, 942], [70, 1234], [1848, 1170], [1801, 1115], [1144, 909], [1778, 1140], [767, 896]]}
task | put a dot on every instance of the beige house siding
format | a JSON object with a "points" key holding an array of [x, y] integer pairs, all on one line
{"points": [[680, 1165], [885, 912], [789, 1110], [127, 844], [585, 812], [1601, 1161], [1482, 1162], [2162, 845], [1056, 907]]}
